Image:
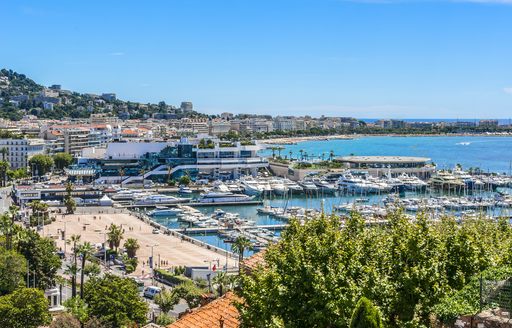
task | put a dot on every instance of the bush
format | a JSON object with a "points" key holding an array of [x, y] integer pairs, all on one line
{"points": [[365, 315], [170, 278], [164, 319]]}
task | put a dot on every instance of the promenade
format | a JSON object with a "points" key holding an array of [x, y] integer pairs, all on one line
{"points": [[169, 251]]}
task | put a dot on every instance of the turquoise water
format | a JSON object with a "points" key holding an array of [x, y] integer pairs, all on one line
{"points": [[488, 153]]}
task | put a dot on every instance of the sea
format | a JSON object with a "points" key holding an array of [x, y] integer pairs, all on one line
{"points": [[490, 153]]}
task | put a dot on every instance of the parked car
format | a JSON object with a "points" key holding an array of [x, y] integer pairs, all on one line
{"points": [[152, 291]]}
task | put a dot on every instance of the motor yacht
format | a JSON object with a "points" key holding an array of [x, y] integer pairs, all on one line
{"points": [[165, 211], [159, 199]]}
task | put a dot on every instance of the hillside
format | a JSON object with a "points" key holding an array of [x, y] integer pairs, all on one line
{"points": [[20, 95]]}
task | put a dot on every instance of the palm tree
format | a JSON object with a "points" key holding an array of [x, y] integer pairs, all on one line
{"points": [[121, 174], [291, 153], [301, 154], [273, 151], [86, 250], [114, 236], [222, 282], [279, 151], [73, 268], [239, 246], [331, 155], [142, 172], [4, 167], [131, 245]]}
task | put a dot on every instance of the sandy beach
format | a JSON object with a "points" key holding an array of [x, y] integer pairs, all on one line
{"points": [[169, 251]]}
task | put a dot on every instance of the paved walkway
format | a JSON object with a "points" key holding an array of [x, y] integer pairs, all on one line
{"points": [[169, 251]]}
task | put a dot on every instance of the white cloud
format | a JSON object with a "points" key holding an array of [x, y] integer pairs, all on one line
{"points": [[508, 90], [119, 53]]}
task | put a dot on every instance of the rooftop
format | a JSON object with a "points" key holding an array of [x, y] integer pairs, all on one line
{"points": [[383, 159], [212, 314]]}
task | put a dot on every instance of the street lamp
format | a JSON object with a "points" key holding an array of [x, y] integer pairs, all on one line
{"points": [[151, 264]]}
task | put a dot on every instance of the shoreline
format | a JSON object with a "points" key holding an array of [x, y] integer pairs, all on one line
{"points": [[296, 140]]}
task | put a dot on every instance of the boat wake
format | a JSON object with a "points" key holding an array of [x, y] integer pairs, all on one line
{"points": [[465, 143]]}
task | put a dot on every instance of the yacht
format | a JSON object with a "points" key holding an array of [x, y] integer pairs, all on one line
{"points": [[278, 186], [293, 186], [446, 181], [127, 194], [412, 182], [185, 190], [325, 186], [223, 197], [251, 187], [308, 186], [354, 184], [159, 199], [165, 211]]}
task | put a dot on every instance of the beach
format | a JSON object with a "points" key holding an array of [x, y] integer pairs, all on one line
{"points": [[169, 251]]}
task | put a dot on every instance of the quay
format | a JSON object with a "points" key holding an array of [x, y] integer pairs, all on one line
{"points": [[217, 229], [193, 204]]}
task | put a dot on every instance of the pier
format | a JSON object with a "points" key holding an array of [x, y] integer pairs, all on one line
{"points": [[240, 228], [193, 204]]}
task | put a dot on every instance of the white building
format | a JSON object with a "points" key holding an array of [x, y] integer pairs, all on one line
{"points": [[19, 151]]}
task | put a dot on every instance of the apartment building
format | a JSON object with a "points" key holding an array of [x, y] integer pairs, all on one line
{"points": [[18, 151]]}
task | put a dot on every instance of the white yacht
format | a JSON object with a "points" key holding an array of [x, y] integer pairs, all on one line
{"points": [[446, 180], [165, 211], [185, 190], [159, 199], [308, 186], [293, 186], [325, 186], [223, 197], [251, 187]]}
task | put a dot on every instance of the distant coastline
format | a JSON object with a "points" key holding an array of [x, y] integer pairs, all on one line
{"points": [[296, 140]]}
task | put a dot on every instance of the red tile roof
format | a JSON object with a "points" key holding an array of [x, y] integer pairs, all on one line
{"points": [[251, 263], [212, 314]]}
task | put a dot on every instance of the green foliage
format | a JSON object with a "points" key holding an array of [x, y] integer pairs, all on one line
{"points": [[41, 256], [130, 264], [24, 308], [77, 308], [115, 300], [185, 180], [69, 202], [62, 160], [164, 320], [319, 270], [131, 245], [240, 245], [365, 315], [13, 268], [41, 164], [190, 293], [171, 278], [166, 300], [466, 301], [114, 236]]}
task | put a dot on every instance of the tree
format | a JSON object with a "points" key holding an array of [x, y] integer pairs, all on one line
{"points": [[42, 258], [185, 180], [115, 300], [331, 155], [40, 214], [86, 251], [4, 168], [69, 202], [94, 322], [40, 164], [77, 308], [239, 246], [131, 245], [166, 300], [73, 268], [13, 268], [190, 293], [4, 151], [365, 315], [114, 236], [24, 308], [62, 160], [164, 320]]}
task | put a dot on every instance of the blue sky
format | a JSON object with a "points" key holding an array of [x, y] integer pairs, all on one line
{"points": [[367, 58]]}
